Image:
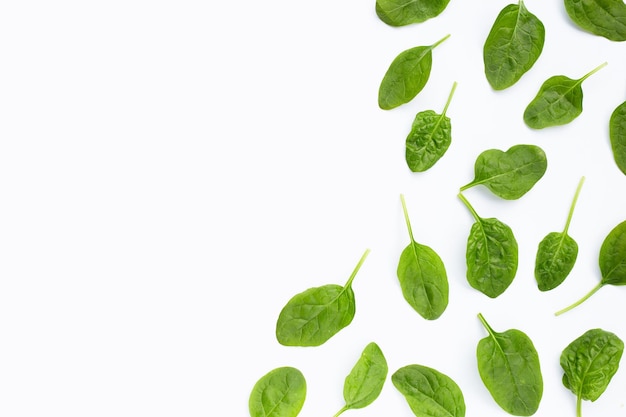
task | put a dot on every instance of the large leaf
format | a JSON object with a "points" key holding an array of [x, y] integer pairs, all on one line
{"points": [[605, 18]]}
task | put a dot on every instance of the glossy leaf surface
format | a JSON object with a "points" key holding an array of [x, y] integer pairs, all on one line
{"points": [[429, 392], [605, 18], [589, 363], [365, 382], [423, 278], [509, 367], [313, 316], [617, 134], [406, 77], [491, 254], [557, 253], [406, 12], [509, 174], [513, 45], [558, 102], [279, 393], [429, 139]]}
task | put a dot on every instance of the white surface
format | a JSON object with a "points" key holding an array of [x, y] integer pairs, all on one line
{"points": [[171, 173]]}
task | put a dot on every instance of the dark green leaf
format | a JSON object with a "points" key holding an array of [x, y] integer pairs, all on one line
{"points": [[605, 18], [557, 253], [406, 77], [422, 277], [558, 102], [617, 133], [589, 363], [512, 46], [429, 139], [509, 174], [313, 316], [509, 367], [405, 12], [491, 255], [365, 382], [279, 393], [428, 392]]}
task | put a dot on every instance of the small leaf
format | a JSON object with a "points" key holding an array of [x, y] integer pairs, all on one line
{"points": [[558, 102], [406, 77], [405, 12], [509, 367], [428, 392], [617, 134], [605, 18], [509, 174], [279, 393], [429, 139], [512, 46], [313, 316]]}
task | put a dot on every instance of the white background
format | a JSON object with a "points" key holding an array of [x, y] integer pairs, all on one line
{"points": [[171, 173]]}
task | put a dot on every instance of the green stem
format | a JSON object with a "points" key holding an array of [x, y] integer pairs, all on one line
{"points": [[356, 269], [449, 99], [579, 302], [593, 71], [579, 406], [573, 205], [406, 218], [344, 408], [439, 41], [486, 325], [469, 206]]}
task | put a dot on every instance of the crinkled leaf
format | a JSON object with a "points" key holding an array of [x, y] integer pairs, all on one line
{"points": [[617, 134], [279, 393], [613, 256], [405, 12], [605, 18]]}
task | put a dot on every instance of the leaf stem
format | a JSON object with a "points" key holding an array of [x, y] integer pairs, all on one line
{"points": [[593, 71], [439, 41], [449, 98], [344, 408], [486, 325], [356, 269], [469, 206], [573, 205], [406, 218], [579, 406], [579, 302]]}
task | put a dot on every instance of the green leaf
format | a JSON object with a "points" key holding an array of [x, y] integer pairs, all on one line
{"points": [[406, 77], [313, 316], [429, 139], [405, 12], [509, 367], [365, 382], [612, 263], [428, 392], [279, 393], [557, 253], [589, 363], [512, 46], [422, 277], [509, 174], [491, 255], [558, 102], [605, 18], [617, 134]]}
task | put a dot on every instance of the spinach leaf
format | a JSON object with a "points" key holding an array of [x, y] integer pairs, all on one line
{"points": [[365, 382], [589, 363], [617, 134], [422, 276], [512, 46], [491, 254], [612, 263], [405, 12], [558, 102], [509, 367], [428, 392], [313, 316], [407, 75], [557, 252], [509, 174], [429, 138], [279, 393], [605, 18]]}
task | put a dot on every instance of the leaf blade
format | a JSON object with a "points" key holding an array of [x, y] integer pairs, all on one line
{"points": [[279, 393]]}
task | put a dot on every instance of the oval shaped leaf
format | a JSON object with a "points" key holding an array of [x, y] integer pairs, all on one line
{"points": [[558, 102], [315, 315], [429, 139], [509, 367], [513, 46], [428, 392], [279, 393], [590, 362], [405, 12], [509, 174], [605, 18], [617, 134], [406, 77], [613, 256]]}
